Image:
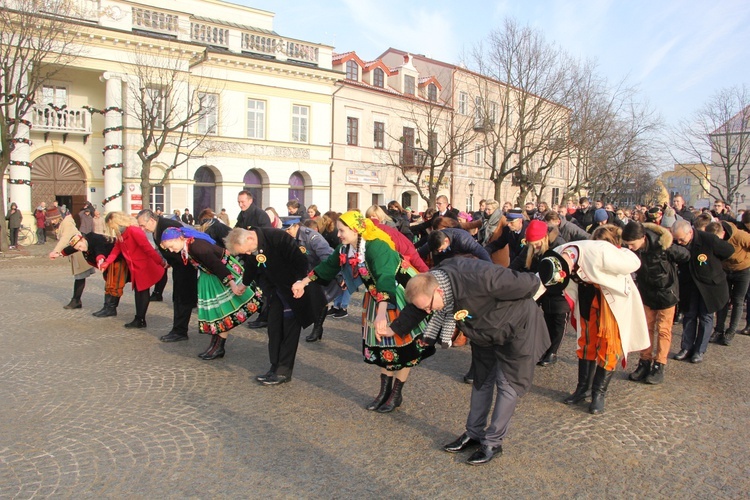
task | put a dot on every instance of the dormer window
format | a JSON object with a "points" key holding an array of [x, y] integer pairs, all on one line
{"points": [[432, 92], [409, 85], [352, 70], [378, 78]]}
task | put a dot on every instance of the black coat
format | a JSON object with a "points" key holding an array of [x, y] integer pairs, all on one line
{"points": [[551, 302], [461, 243], [657, 278], [253, 217], [217, 230], [184, 276], [708, 278], [506, 326], [584, 218], [515, 241], [285, 263]]}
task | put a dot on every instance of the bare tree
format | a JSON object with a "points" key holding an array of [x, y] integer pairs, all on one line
{"points": [[174, 110], [525, 127], [717, 137], [430, 147], [36, 42]]}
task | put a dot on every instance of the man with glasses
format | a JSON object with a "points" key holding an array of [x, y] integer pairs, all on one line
{"points": [[444, 209], [494, 307], [720, 211]]}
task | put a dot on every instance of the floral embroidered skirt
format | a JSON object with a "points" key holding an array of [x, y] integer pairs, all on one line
{"points": [[391, 353], [219, 309]]}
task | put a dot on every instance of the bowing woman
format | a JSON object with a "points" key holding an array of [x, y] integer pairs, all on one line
{"points": [[145, 264], [372, 257], [222, 305]]}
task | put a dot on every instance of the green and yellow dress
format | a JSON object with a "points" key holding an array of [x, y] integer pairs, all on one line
{"points": [[384, 277]]}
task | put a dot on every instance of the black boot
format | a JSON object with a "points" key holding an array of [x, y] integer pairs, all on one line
{"points": [[585, 378], [386, 385], [641, 372], [599, 390], [75, 301], [217, 351], [317, 330], [394, 400], [210, 346], [725, 338], [108, 309], [136, 323]]}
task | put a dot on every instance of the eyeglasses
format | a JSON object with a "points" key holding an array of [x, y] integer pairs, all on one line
{"points": [[429, 309]]}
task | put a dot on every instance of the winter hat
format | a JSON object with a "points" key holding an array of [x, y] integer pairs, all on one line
{"points": [[554, 271], [653, 213], [600, 215], [515, 213], [465, 215], [536, 230]]}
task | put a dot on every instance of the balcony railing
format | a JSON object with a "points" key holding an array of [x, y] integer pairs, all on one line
{"points": [[211, 35], [69, 121], [153, 20], [413, 158], [274, 46]]}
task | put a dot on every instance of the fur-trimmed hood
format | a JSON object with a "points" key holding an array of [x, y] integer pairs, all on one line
{"points": [[664, 236]]}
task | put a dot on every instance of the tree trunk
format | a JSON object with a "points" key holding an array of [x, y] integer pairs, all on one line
{"points": [[146, 184]]}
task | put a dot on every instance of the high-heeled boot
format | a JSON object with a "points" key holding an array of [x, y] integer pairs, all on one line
{"points": [[586, 370], [599, 390], [136, 323], [214, 340], [386, 385], [217, 351], [317, 330], [75, 301], [394, 400]]}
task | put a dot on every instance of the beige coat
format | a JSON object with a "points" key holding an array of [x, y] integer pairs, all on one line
{"points": [[66, 231]]}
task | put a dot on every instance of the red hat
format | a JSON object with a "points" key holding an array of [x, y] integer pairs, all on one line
{"points": [[536, 230]]}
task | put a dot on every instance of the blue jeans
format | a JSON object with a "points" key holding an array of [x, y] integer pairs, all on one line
{"points": [[342, 301], [352, 285], [738, 284], [697, 324]]}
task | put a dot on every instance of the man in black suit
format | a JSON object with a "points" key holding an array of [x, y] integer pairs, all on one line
{"points": [[250, 215], [274, 255], [184, 277], [703, 287], [187, 217], [444, 209]]}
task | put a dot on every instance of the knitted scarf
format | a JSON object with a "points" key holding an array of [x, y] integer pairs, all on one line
{"points": [[442, 322]]}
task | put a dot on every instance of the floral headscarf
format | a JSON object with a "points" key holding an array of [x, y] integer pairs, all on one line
{"points": [[356, 221]]}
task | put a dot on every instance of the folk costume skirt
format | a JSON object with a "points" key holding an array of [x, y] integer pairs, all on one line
{"points": [[219, 309], [391, 353]]}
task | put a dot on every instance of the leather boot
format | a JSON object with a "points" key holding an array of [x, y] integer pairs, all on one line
{"points": [[317, 330], [217, 351], [641, 372], [585, 379], [394, 400], [386, 385], [599, 390], [75, 301], [136, 323], [725, 338], [107, 310], [210, 346]]}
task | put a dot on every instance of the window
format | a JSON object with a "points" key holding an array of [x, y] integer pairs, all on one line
{"points": [[432, 143], [209, 105], [408, 151], [153, 106], [432, 92], [479, 155], [462, 155], [352, 201], [157, 198], [256, 119], [478, 110], [378, 78], [55, 95], [555, 196], [352, 70], [732, 179], [297, 188], [463, 103], [733, 150], [408, 85], [379, 135], [493, 113], [300, 115], [509, 115], [377, 199], [352, 131]]}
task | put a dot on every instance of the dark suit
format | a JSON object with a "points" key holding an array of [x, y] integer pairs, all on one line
{"points": [[253, 217], [284, 264]]}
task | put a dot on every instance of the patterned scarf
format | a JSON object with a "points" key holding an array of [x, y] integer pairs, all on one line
{"points": [[442, 322]]}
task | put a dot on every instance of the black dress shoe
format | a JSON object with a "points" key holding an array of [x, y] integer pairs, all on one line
{"points": [[136, 323], [484, 454], [696, 358], [682, 355], [265, 376], [276, 379], [548, 359], [257, 324], [173, 337], [463, 442]]}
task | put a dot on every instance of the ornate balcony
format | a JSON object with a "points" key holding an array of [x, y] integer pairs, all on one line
{"points": [[277, 47], [413, 158], [62, 120]]}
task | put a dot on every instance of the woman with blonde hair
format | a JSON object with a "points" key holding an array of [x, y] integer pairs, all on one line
{"points": [[369, 254], [313, 212], [145, 264]]}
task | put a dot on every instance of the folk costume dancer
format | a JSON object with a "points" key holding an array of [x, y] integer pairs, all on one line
{"points": [[372, 257], [222, 305]]}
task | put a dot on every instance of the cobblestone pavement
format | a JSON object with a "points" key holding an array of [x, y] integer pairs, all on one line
{"points": [[90, 409]]}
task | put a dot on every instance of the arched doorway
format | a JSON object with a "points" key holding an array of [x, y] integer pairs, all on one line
{"points": [[57, 177], [297, 188], [254, 184], [204, 191], [406, 199]]}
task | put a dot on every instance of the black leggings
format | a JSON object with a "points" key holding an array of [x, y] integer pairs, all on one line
{"points": [[142, 300]]}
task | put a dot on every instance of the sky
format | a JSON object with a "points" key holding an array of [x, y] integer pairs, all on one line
{"points": [[677, 52]]}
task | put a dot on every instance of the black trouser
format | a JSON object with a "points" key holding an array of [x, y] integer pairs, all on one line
{"points": [[161, 284], [14, 236], [556, 323], [181, 320], [283, 336], [142, 300]]}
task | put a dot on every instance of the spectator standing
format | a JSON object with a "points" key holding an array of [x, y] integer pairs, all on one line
{"points": [[187, 217], [14, 218], [40, 214]]}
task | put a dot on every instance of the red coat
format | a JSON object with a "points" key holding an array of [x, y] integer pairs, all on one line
{"points": [[404, 247], [144, 263]]}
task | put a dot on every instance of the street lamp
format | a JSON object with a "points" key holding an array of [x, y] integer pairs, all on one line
{"points": [[738, 198], [470, 201]]}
